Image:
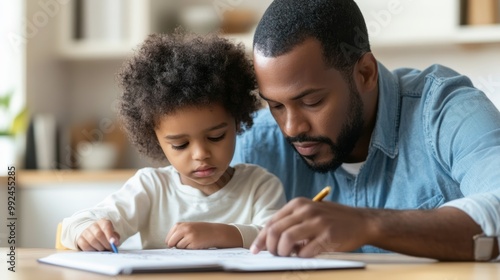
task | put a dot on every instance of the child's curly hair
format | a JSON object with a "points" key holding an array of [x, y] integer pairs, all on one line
{"points": [[180, 70]]}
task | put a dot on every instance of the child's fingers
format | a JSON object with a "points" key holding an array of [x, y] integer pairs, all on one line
{"points": [[169, 236], [84, 245], [109, 232], [183, 244], [96, 237], [100, 239], [173, 239], [88, 241]]}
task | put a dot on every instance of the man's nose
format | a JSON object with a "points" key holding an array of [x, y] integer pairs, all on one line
{"points": [[295, 124]]}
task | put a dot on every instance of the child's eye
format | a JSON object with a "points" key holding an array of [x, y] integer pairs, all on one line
{"points": [[275, 106], [179, 147], [218, 138]]}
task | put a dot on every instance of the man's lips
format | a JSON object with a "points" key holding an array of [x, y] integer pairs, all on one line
{"points": [[204, 171], [307, 148]]}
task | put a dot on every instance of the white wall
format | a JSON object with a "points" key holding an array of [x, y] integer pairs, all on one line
{"points": [[40, 207], [43, 206], [480, 63], [46, 83], [417, 34]]}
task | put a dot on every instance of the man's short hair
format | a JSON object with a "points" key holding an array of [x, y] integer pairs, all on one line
{"points": [[337, 24]]}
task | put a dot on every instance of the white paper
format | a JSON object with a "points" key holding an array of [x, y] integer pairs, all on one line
{"points": [[174, 260]]}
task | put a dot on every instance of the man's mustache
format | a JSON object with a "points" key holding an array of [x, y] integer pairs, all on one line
{"points": [[305, 138]]}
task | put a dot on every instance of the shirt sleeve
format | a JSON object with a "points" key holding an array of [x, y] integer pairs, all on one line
{"points": [[126, 209], [464, 133], [269, 198]]}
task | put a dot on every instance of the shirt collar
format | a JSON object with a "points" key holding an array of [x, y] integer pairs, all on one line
{"points": [[385, 133]]}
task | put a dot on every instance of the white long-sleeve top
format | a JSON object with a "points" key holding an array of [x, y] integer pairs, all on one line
{"points": [[154, 200]]}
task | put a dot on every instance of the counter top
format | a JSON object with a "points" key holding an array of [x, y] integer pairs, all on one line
{"points": [[30, 177], [378, 266]]}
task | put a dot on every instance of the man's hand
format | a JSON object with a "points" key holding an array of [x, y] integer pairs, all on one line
{"points": [[308, 228], [96, 237], [200, 235]]}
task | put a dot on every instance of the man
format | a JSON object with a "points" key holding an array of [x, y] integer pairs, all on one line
{"points": [[413, 157]]}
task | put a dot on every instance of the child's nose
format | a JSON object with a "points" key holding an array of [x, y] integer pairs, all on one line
{"points": [[200, 152]]}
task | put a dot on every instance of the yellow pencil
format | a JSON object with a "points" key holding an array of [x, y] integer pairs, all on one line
{"points": [[324, 192]]}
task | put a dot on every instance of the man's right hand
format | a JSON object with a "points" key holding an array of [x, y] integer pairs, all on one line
{"points": [[308, 228]]}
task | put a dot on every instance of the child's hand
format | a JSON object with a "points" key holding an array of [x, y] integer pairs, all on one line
{"points": [[200, 235], [96, 236]]}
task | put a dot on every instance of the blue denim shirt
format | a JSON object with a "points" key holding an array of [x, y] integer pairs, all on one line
{"points": [[436, 143]]}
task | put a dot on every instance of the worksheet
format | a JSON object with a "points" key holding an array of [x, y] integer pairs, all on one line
{"points": [[179, 260]]}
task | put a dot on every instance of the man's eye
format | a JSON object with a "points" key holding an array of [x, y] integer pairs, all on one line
{"points": [[179, 147], [313, 103], [218, 138]]}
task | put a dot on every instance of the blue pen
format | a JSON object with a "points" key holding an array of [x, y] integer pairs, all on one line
{"points": [[113, 246]]}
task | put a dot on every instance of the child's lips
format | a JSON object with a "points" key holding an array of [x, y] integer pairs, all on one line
{"points": [[204, 172]]}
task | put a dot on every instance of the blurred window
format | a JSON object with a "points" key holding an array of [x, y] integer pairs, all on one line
{"points": [[12, 52]]}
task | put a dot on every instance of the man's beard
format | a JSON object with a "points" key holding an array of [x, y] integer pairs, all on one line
{"points": [[346, 141]]}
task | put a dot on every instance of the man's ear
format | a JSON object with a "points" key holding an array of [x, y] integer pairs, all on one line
{"points": [[366, 73]]}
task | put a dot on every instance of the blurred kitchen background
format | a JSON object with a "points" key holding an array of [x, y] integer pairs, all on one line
{"points": [[59, 59]]}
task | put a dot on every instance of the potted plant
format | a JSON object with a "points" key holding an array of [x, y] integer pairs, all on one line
{"points": [[12, 126]]}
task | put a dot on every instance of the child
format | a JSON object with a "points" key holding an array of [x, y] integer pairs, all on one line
{"points": [[185, 98]]}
